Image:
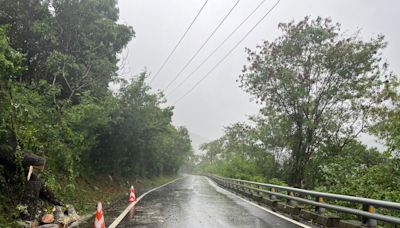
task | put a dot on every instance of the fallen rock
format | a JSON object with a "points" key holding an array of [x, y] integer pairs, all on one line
{"points": [[58, 215], [72, 213]]}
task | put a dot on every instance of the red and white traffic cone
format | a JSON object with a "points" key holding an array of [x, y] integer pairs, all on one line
{"points": [[132, 197], [99, 219]]}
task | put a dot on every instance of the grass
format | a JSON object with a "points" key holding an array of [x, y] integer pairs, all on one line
{"points": [[107, 189]]}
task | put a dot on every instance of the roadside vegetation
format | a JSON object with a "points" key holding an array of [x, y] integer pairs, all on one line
{"points": [[319, 89], [57, 60]]}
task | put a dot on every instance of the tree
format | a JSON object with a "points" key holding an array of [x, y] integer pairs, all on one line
{"points": [[10, 67], [140, 138], [335, 168], [356, 170], [388, 124], [57, 58], [67, 42], [213, 149], [87, 39], [240, 154], [316, 85], [24, 18]]}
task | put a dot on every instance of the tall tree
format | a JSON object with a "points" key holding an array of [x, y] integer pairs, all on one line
{"points": [[24, 18], [70, 43], [316, 85], [10, 67], [388, 121], [87, 39]]}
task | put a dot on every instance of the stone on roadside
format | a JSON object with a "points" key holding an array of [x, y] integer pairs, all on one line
{"points": [[58, 215], [72, 212]]}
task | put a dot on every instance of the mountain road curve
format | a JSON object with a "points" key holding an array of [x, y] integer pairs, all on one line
{"points": [[196, 201]]}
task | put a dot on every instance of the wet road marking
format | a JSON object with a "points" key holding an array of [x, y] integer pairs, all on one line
{"points": [[126, 211], [256, 205]]}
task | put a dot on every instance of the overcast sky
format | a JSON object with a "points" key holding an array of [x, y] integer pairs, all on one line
{"points": [[218, 101]]}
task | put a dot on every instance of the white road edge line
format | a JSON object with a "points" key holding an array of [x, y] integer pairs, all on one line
{"points": [[256, 205], [126, 211]]}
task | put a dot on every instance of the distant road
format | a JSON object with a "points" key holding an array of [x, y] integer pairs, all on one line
{"points": [[196, 201]]}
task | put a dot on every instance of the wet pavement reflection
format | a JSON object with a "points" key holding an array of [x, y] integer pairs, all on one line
{"points": [[195, 201]]}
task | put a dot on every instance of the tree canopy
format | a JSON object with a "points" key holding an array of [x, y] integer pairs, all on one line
{"points": [[57, 59], [317, 86]]}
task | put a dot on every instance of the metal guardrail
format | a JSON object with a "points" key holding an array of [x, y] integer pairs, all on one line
{"points": [[296, 195]]}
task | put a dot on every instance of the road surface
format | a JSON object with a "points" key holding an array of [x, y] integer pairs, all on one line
{"points": [[196, 201]]}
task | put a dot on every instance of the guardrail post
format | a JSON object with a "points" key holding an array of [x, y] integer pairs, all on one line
{"points": [[257, 192], [272, 197], [260, 193], [303, 198], [290, 202], [319, 210], [368, 221]]}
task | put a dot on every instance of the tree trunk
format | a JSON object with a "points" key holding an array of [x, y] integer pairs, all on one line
{"points": [[30, 198], [296, 173], [297, 166], [8, 159], [34, 188]]}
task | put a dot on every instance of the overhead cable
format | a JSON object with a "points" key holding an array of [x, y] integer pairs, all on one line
{"points": [[179, 42], [202, 46], [230, 51], [216, 49]]}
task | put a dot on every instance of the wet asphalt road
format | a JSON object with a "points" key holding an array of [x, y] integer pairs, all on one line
{"points": [[196, 201]]}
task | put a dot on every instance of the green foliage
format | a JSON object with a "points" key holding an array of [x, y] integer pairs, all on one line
{"points": [[358, 171], [131, 129], [317, 86], [237, 167], [10, 67], [57, 59], [70, 43], [61, 132], [10, 60], [319, 90], [141, 138], [341, 169], [238, 154], [388, 125]]}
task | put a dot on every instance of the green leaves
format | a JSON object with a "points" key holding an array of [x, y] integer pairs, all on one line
{"points": [[59, 105], [356, 170], [240, 154], [73, 44], [317, 85], [387, 127], [10, 60], [140, 138]]}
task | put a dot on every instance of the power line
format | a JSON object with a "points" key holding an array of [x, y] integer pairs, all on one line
{"points": [[179, 42], [216, 49], [202, 46], [230, 51]]}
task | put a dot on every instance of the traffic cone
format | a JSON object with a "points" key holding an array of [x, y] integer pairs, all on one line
{"points": [[132, 197], [99, 220]]}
